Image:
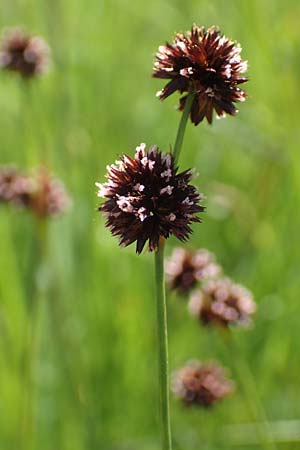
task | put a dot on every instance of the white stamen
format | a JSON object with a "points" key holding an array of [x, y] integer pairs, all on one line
{"points": [[186, 71], [141, 148], [151, 165], [187, 201], [139, 187], [124, 204], [142, 213], [166, 174], [168, 189], [181, 45], [171, 217], [209, 92], [103, 190]]}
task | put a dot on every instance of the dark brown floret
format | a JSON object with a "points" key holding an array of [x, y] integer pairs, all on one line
{"points": [[184, 269], [223, 303], [28, 55], [15, 187], [201, 384], [147, 199], [206, 63]]}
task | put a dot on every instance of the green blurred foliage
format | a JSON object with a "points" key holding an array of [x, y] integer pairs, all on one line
{"points": [[95, 375]]}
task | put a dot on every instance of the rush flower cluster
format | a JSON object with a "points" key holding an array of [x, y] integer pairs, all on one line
{"points": [[186, 268], [207, 64], [146, 199], [28, 55], [222, 302], [40, 193], [201, 384]]}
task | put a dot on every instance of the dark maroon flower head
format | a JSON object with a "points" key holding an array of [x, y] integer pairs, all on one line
{"points": [[206, 63], [15, 187], [222, 302], [28, 55], [185, 269], [147, 199], [201, 384]]}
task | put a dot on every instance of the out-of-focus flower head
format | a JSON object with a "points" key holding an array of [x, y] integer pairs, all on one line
{"points": [[146, 199], [222, 302], [201, 384], [184, 269], [40, 193], [49, 197], [15, 187], [20, 52], [206, 63]]}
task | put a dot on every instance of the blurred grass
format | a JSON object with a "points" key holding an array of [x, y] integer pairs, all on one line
{"points": [[95, 376]]}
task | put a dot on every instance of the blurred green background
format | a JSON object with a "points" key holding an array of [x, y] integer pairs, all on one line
{"points": [[94, 383]]}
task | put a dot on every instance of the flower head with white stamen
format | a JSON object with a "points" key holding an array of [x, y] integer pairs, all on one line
{"points": [[146, 199]]}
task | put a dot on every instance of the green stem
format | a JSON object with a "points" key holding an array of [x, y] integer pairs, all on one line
{"points": [[31, 339], [182, 126], [162, 326], [252, 396], [163, 348]]}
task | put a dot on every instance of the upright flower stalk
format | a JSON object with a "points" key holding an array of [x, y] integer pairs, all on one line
{"points": [[162, 322], [182, 126]]}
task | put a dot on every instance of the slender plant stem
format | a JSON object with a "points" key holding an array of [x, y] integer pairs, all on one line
{"points": [[31, 340], [162, 326], [163, 348], [251, 395], [182, 126]]}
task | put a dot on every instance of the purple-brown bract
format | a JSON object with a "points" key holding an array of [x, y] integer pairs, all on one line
{"points": [[147, 199], [206, 63]]}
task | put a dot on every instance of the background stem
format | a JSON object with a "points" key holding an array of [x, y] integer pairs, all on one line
{"points": [[252, 397], [163, 348]]}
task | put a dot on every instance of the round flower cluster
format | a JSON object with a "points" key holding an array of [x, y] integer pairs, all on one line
{"points": [[222, 302], [207, 64], [28, 55], [40, 193], [146, 199], [201, 384], [184, 269]]}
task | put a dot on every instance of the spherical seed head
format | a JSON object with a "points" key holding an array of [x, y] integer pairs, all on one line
{"points": [[184, 269], [28, 55], [206, 63], [222, 302], [147, 199], [201, 384], [15, 187], [49, 197]]}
